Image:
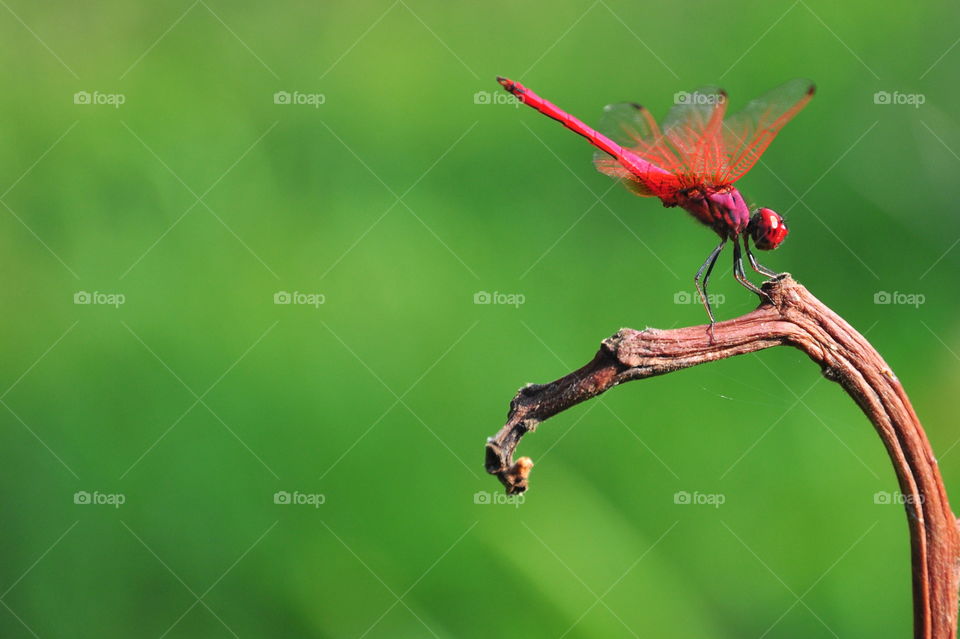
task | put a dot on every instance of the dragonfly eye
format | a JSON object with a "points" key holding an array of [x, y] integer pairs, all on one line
{"points": [[767, 229]]}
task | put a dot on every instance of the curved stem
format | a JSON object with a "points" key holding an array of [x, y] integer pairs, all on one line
{"points": [[793, 317]]}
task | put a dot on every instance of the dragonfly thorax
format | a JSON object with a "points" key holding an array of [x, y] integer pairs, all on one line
{"points": [[720, 208]]}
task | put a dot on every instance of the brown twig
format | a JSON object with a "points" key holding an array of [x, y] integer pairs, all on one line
{"points": [[793, 317]]}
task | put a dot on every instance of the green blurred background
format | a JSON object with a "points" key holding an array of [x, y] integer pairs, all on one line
{"points": [[398, 199]]}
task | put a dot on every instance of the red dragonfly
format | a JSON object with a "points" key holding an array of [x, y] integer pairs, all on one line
{"points": [[692, 161]]}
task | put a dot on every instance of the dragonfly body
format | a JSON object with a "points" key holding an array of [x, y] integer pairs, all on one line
{"points": [[721, 208], [693, 160]]}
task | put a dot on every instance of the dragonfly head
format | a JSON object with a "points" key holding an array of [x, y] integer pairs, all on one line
{"points": [[767, 229]]}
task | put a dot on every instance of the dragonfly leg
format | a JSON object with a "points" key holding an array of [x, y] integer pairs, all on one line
{"points": [[708, 267], [754, 264], [740, 275]]}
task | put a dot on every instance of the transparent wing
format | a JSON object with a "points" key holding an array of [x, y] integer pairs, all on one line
{"points": [[748, 133], [660, 184], [694, 128], [634, 128]]}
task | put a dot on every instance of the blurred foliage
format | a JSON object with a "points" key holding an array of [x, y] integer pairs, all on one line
{"points": [[398, 199]]}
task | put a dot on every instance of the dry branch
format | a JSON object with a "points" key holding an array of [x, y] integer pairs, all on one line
{"points": [[793, 317]]}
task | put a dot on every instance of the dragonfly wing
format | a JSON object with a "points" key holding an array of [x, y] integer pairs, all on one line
{"points": [[748, 133], [693, 127], [659, 184], [635, 129]]}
